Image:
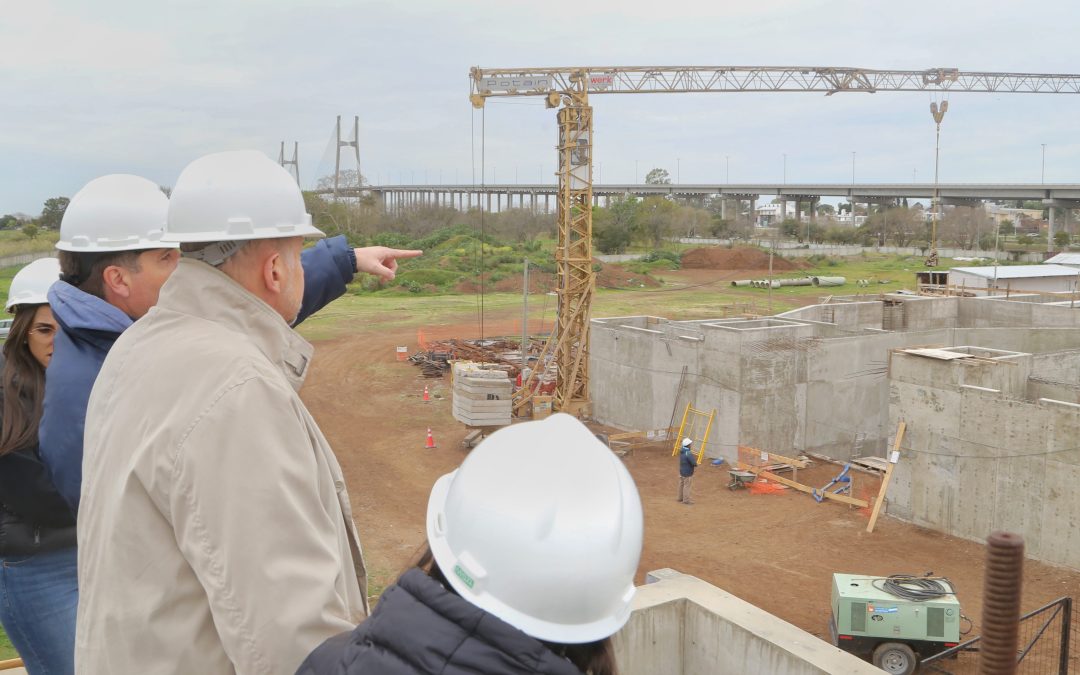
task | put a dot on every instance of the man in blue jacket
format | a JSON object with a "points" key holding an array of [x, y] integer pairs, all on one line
{"points": [[687, 464], [113, 264]]}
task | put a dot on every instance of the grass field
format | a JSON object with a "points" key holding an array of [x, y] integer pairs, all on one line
{"points": [[676, 298], [6, 650], [14, 242]]}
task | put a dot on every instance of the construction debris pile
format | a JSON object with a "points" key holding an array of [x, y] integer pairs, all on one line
{"points": [[434, 360], [482, 395]]}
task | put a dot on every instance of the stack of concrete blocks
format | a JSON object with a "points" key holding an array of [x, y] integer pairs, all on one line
{"points": [[482, 395]]}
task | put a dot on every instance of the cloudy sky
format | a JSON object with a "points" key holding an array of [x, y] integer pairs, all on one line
{"points": [[88, 88]]}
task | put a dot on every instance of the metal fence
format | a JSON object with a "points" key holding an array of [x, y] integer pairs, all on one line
{"points": [[1047, 645]]}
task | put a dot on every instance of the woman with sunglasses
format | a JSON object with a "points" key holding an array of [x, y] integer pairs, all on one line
{"points": [[38, 573]]}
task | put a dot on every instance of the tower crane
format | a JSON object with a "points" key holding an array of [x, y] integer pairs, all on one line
{"points": [[570, 87]]}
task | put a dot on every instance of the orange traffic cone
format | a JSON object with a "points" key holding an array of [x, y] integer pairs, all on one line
{"points": [[430, 439], [427, 397]]}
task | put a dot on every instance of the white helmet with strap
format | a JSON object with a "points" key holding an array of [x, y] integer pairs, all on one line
{"points": [[118, 212], [542, 527], [234, 197], [31, 284]]}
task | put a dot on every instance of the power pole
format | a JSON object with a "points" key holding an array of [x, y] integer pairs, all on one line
{"points": [[286, 163], [355, 145]]}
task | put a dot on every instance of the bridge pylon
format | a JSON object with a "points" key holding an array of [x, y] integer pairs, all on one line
{"points": [[355, 145]]}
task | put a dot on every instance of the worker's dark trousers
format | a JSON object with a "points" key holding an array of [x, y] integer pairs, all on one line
{"points": [[684, 489]]}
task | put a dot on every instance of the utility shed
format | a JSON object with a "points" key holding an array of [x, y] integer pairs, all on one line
{"points": [[1042, 278]]}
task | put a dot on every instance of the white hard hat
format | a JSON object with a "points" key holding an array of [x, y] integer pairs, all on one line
{"points": [[118, 212], [236, 196], [31, 284], [687, 441], [542, 527]]}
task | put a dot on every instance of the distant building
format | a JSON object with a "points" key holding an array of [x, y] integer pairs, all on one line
{"points": [[1041, 278], [1066, 259], [1001, 213], [767, 214]]}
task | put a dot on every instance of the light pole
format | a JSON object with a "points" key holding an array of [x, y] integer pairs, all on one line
{"points": [[1043, 178], [678, 171], [938, 114], [853, 167], [635, 172], [785, 168], [727, 169]]}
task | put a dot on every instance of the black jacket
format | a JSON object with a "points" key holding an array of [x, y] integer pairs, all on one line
{"points": [[33, 516], [420, 628]]}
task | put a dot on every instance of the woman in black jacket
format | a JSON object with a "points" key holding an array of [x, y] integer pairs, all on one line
{"points": [[532, 548], [37, 529]]}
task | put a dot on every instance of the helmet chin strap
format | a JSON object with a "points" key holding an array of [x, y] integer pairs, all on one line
{"points": [[217, 253]]}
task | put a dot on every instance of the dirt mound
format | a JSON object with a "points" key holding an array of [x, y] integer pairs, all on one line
{"points": [[742, 258]]}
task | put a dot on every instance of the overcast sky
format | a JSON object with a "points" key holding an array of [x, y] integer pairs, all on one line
{"points": [[89, 88]]}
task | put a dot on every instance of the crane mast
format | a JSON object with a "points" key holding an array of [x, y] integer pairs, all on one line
{"points": [[569, 87]]}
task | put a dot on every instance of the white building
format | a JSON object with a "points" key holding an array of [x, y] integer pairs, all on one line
{"points": [[1042, 278], [1067, 259]]}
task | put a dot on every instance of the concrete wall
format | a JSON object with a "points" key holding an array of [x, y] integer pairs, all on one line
{"points": [[846, 315], [1044, 284], [682, 625], [975, 459], [800, 383]]}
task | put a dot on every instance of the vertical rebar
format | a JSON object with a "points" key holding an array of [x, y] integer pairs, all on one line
{"points": [[1001, 603]]}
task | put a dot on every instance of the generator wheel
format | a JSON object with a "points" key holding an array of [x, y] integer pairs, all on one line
{"points": [[895, 658]]}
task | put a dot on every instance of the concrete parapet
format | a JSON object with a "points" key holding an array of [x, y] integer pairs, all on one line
{"points": [[682, 625]]}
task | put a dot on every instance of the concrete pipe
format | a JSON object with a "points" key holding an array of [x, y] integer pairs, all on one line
{"points": [[742, 282], [805, 281], [775, 283], [829, 281]]}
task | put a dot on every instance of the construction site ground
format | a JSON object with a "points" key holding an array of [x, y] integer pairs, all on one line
{"points": [[777, 551]]}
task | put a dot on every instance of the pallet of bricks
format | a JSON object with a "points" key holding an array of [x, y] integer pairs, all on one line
{"points": [[482, 394]]}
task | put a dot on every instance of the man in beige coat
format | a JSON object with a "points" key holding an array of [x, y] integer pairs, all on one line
{"points": [[215, 531]]}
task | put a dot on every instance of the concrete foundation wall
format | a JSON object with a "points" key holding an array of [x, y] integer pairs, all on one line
{"points": [[975, 460], [682, 625], [846, 315], [795, 384]]}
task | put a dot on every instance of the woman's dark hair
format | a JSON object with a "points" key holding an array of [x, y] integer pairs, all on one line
{"points": [[23, 382], [591, 658]]}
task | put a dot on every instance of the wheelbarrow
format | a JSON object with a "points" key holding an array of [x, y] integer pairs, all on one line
{"points": [[740, 479]]}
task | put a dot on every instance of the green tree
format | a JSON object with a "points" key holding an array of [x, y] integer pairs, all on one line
{"points": [[1061, 239], [614, 226], [658, 176], [53, 212], [791, 229], [657, 220], [8, 222], [1006, 227], [31, 230]]}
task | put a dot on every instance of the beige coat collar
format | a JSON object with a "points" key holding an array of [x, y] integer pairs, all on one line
{"points": [[197, 289]]}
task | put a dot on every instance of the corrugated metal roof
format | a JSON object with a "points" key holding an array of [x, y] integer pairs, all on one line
{"points": [[1018, 271], [1064, 259]]}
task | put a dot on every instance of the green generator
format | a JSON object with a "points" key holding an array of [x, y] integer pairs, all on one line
{"points": [[894, 621]]}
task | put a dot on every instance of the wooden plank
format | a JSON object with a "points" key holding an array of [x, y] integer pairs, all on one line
{"points": [[656, 434], [803, 488], [780, 459], [900, 428], [11, 664]]}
